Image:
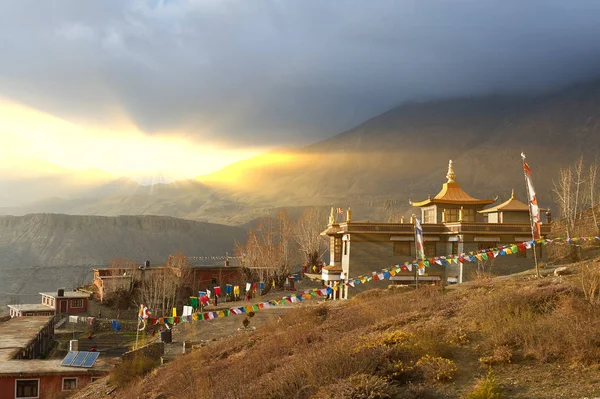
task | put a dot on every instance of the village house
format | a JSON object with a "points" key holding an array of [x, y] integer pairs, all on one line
{"points": [[32, 309], [23, 342], [198, 275], [453, 222], [66, 301], [52, 303]]}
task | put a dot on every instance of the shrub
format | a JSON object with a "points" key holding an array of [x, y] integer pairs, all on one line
{"points": [[360, 386], [437, 368], [486, 388], [400, 371], [129, 370], [501, 355], [590, 282]]}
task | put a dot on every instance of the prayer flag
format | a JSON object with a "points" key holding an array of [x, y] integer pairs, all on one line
{"points": [[534, 209], [420, 249], [340, 211]]}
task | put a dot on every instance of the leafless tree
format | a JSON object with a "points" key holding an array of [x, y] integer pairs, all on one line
{"points": [[160, 287], [307, 231], [269, 251], [576, 192], [592, 190]]}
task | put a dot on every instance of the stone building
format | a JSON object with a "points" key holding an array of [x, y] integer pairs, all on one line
{"points": [[453, 222]]}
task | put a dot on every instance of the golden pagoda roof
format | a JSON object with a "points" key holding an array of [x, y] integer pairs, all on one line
{"points": [[511, 205], [451, 193]]}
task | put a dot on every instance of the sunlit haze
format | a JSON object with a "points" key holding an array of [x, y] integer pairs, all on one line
{"points": [[34, 142]]}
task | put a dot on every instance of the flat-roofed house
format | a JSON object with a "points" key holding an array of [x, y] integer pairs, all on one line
{"points": [[32, 309], [23, 342], [66, 301]]}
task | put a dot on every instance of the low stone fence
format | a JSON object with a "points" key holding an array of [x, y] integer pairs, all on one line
{"points": [[154, 350]]}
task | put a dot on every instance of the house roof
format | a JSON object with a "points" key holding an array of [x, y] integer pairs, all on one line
{"points": [[68, 294], [16, 333], [451, 193], [32, 307], [34, 368], [511, 205]]}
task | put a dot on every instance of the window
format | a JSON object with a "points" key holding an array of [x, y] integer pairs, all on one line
{"points": [[454, 248], [213, 280], [451, 215], [345, 247], [468, 215], [69, 384], [429, 216], [429, 249], [402, 248], [77, 303], [27, 388], [487, 245]]}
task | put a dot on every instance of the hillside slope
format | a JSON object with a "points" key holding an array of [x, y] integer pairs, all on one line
{"points": [[62, 240], [532, 338]]}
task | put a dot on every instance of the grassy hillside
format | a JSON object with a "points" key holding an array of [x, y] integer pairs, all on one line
{"points": [[515, 337]]}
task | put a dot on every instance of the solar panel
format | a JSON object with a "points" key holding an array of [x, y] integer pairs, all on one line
{"points": [[78, 361], [69, 358], [90, 359]]}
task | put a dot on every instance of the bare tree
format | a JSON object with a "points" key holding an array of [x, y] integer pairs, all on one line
{"points": [[269, 251], [162, 287], [307, 231], [576, 193], [592, 189]]}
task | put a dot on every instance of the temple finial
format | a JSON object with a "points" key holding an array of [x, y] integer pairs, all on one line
{"points": [[451, 175], [512, 195]]}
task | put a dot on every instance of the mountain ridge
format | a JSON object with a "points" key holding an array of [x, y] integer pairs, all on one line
{"points": [[398, 155]]}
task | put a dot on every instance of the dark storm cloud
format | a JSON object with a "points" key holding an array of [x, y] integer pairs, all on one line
{"points": [[279, 72]]}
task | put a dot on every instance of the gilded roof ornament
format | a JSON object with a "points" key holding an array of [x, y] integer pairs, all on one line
{"points": [[451, 175]]}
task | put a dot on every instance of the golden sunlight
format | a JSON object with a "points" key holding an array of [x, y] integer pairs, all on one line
{"points": [[36, 142]]}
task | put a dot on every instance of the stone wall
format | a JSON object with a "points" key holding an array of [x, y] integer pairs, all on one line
{"points": [[154, 350]]}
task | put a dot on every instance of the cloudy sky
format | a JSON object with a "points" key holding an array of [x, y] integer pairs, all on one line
{"points": [[187, 86]]}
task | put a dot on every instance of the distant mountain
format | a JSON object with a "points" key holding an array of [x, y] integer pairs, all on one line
{"points": [[63, 240], [378, 166]]}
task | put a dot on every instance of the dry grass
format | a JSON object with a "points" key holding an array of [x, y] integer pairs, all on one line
{"points": [[411, 344]]}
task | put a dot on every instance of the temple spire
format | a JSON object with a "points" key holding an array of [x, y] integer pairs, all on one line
{"points": [[451, 175], [512, 195]]}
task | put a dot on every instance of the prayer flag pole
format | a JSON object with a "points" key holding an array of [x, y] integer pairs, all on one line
{"points": [[419, 249], [533, 207], [137, 330]]}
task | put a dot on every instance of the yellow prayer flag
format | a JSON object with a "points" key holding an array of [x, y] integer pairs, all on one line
{"points": [[174, 312], [221, 313]]}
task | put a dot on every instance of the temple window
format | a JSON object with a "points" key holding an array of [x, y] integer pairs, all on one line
{"points": [[430, 249], [402, 248], [429, 216], [451, 215], [468, 215]]}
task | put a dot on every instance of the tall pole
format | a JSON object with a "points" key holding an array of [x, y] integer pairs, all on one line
{"points": [[416, 252], [537, 269]]}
